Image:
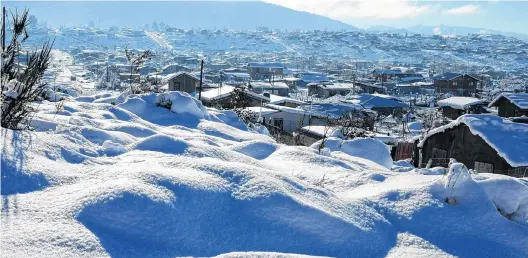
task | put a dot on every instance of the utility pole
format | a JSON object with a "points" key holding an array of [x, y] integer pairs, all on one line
{"points": [[131, 78], [220, 88], [201, 79], [354, 84], [3, 28]]}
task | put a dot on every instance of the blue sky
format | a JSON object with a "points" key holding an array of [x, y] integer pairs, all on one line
{"points": [[508, 16]]}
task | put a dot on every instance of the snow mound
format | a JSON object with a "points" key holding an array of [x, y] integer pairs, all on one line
{"points": [[367, 148], [433, 171], [509, 195], [110, 148], [256, 149], [162, 143], [182, 103]]}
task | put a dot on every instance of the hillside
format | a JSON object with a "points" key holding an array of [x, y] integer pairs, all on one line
{"points": [[191, 14]]}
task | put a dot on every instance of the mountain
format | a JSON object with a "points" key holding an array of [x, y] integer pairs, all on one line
{"points": [[443, 30], [460, 30], [191, 14]]}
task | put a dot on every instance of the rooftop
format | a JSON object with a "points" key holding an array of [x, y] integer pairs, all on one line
{"points": [[518, 99], [460, 102]]}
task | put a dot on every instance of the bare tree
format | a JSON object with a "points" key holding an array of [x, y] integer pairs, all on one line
{"points": [[135, 61], [353, 124], [21, 85], [323, 140], [239, 99]]}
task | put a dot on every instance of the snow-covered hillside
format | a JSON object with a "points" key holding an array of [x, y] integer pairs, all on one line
{"points": [[139, 180]]}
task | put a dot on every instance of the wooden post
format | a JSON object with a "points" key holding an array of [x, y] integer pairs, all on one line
{"points": [[201, 79]]}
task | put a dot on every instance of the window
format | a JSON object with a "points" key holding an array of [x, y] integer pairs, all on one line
{"points": [[482, 167], [454, 83]]}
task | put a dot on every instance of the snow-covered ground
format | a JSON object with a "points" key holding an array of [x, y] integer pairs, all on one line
{"points": [[136, 179]]}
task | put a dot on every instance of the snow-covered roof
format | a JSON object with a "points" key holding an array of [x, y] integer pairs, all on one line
{"points": [[339, 86], [267, 85], [174, 75], [267, 65], [225, 91], [518, 99], [412, 78], [387, 96], [263, 110], [334, 110], [319, 130], [288, 109], [509, 139], [450, 76], [460, 102], [333, 86], [292, 79], [275, 99], [313, 77], [373, 101]]}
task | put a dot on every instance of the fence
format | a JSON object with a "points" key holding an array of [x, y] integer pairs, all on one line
{"points": [[514, 172], [436, 162]]}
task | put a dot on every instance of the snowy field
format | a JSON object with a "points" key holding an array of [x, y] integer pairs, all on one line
{"points": [[139, 180]]}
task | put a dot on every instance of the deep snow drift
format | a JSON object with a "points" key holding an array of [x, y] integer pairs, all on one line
{"points": [[139, 180]]}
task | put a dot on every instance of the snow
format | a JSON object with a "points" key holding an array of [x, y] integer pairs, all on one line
{"points": [[137, 179], [510, 195], [373, 101], [263, 110], [460, 102], [508, 138], [225, 91], [367, 148], [112, 149]]}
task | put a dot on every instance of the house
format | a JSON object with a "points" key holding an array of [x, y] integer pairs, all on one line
{"points": [[327, 89], [383, 104], [367, 87], [289, 119], [456, 84], [183, 81], [261, 71], [384, 74], [485, 143], [511, 104], [456, 106], [306, 78], [275, 88], [222, 97]]}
